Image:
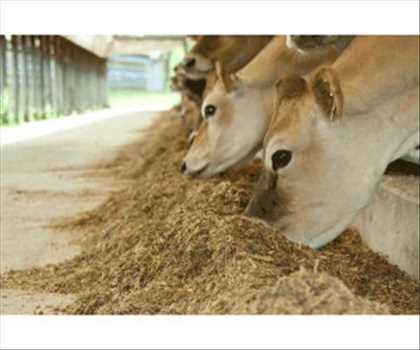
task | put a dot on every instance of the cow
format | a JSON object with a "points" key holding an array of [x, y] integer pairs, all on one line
{"points": [[332, 135]]}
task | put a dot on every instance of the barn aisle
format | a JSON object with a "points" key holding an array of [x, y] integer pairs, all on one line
{"points": [[43, 180]]}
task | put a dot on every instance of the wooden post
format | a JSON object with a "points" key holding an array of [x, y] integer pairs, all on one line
{"points": [[53, 77], [77, 90], [42, 76], [87, 75], [98, 83], [70, 80], [49, 77], [81, 83], [46, 78], [95, 82], [36, 78], [101, 85], [3, 81], [59, 67], [56, 73], [92, 66], [104, 88], [59, 54], [85, 81], [90, 73], [15, 79], [73, 87], [167, 69], [80, 86], [27, 86], [67, 76]]}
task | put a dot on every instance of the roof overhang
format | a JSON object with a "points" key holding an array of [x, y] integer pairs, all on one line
{"points": [[107, 45]]}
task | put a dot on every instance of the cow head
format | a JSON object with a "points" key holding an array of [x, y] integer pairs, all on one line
{"points": [[233, 51], [320, 168], [231, 131]]}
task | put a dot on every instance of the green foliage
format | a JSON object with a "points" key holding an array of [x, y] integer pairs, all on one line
{"points": [[5, 105]]}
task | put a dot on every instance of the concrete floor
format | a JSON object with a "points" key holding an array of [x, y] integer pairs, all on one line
{"points": [[41, 180]]}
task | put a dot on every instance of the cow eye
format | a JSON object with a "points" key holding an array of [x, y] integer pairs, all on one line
{"points": [[209, 111], [280, 159]]}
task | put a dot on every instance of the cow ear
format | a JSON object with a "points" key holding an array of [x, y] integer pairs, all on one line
{"points": [[289, 87], [224, 77], [328, 94]]}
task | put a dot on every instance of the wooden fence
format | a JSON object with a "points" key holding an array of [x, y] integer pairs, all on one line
{"points": [[48, 76]]}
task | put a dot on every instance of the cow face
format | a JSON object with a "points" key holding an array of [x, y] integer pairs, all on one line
{"points": [[313, 183], [231, 131]]}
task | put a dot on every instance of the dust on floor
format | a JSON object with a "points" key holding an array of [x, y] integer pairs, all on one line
{"points": [[175, 245]]}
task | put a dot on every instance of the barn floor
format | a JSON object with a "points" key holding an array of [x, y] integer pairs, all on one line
{"points": [[163, 243], [43, 179]]}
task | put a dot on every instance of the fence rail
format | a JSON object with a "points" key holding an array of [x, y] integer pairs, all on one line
{"points": [[48, 76]]}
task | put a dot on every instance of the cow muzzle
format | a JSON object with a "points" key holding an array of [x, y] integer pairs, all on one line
{"points": [[265, 203]]}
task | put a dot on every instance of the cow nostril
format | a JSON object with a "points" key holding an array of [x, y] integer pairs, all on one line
{"points": [[183, 167], [190, 63]]}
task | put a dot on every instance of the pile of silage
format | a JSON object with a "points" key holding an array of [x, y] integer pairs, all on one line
{"points": [[175, 245]]}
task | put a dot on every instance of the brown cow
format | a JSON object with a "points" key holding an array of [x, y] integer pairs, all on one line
{"points": [[333, 134]]}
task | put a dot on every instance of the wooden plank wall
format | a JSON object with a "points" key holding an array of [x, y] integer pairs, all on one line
{"points": [[46, 76]]}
